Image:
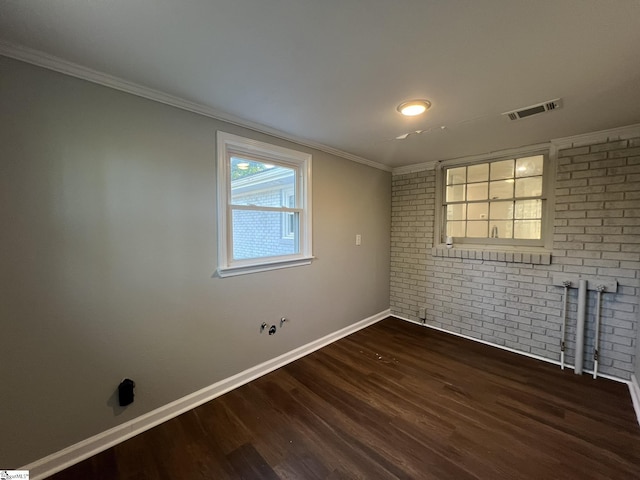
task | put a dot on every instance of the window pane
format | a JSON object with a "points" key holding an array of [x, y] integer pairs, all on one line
{"points": [[477, 191], [527, 229], [455, 193], [529, 209], [501, 229], [529, 187], [477, 229], [258, 234], [501, 210], [456, 175], [456, 212], [529, 166], [503, 169], [455, 229], [501, 189], [478, 211], [478, 173], [260, 184]]}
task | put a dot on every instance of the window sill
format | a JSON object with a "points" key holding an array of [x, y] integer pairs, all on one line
{"points": [[534, 256], [224, 272]]}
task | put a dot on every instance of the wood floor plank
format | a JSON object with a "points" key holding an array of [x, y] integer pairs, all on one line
{"points": [[394, 400]]}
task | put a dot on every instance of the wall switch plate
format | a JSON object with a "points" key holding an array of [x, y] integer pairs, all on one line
{"points": [[358, 240]]}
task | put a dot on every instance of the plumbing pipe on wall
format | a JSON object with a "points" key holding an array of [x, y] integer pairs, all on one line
{"points": [[596, 355], [566, 285], [582, 313]]}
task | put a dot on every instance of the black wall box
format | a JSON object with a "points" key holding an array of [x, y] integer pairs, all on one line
{"points": [[125, 392]]}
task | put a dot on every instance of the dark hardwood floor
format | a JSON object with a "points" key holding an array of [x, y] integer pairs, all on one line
{"points": [[395, 400]]}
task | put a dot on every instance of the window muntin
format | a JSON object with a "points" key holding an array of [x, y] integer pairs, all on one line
{"points": [[497, 202], [255, 213]]}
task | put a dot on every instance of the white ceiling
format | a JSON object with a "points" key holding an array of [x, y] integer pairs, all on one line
{"points": [[333, 71]]}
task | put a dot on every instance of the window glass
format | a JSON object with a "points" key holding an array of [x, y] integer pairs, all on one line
{"points": [[478, 173], [456, 229], [529, 187], [257, 234], [529, 166], [456, 193], [477, 229], [501, 229], [502, 170], [501, 189], [526, 229], [501, 210], [478, 211], [528, 209], [259, 184], [456, 175], [477, 191], [456, 212]]}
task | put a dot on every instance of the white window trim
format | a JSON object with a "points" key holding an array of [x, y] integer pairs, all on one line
{"points": [[228, 145], [514, 245]]}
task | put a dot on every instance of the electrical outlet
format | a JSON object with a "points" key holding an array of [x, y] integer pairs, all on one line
{"points": [[422, 313], [358, 240]]}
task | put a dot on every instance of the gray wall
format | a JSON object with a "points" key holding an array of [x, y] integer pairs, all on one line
{"points": [[108, 245], [514, 303]]}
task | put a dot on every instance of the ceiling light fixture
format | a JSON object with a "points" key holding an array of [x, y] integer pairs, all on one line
{"points": [[414, 107]]}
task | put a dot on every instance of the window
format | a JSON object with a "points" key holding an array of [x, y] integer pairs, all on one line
{"points": [[264, 206], [496, 202]]}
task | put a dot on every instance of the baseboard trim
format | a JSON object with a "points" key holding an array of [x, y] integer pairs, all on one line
{"points": [[73, 454], [512, 350], [634, 390]]}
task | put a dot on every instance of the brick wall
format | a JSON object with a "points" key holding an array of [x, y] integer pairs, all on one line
{"points": [[516, 305]]}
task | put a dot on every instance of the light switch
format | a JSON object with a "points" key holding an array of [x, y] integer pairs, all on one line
{"points": [[358, 240]]}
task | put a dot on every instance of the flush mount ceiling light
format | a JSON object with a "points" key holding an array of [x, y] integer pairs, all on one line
{"points": [[414, 107]]}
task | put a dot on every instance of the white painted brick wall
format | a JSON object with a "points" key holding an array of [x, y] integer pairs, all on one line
{"points": [[596, 233]]}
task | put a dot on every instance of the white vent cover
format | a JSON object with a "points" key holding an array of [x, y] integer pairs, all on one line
{"points": [[534, 109]]}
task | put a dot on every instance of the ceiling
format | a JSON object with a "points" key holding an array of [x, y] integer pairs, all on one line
{"points": [[332, 72]]}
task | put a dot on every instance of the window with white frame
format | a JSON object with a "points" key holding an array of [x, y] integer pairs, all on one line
{"points": [[264, 206], [496, 202]]}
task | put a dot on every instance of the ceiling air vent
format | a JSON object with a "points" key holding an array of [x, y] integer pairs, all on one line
{"points": [[534, 109]]}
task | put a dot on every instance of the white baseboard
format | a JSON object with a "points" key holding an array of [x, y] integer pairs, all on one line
{"points": [[512, 350], [69, 456], [634, 389]]}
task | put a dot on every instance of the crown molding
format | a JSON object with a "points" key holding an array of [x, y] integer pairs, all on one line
{"points": [[602, 136], [44, 60]]}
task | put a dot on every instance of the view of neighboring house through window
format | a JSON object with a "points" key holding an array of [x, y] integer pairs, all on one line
{"points": [[498, 202], [264, 213]]}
